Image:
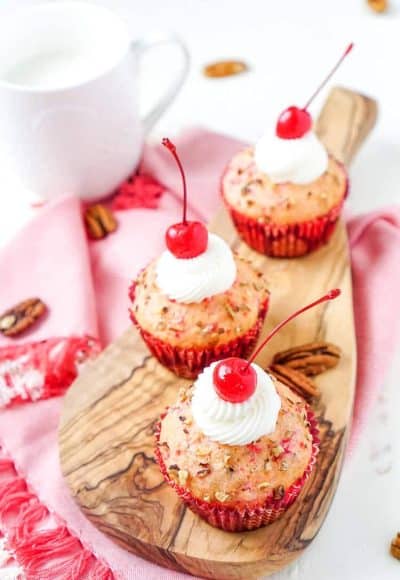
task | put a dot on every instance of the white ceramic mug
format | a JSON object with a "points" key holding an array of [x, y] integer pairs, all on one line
{"points": [[69, 118]]}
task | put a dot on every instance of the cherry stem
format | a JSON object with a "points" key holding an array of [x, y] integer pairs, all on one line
{"points": [[171, 147], [330, 296], [337, 65]]}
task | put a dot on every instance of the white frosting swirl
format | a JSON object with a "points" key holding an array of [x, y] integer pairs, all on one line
{"points": [[299, 161], [193, 279], [235, 423]]}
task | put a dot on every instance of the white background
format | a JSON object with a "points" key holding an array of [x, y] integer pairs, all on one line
{"points": [[290, 45]]}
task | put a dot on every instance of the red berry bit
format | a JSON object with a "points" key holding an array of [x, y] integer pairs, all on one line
{"points": [[254, 448], [187, 239], [234, 380]]}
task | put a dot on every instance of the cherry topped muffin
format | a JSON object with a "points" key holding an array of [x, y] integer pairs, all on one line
{"points": [[237, 464], [286, 194], [198, 302], [283, 219], [239, 445]]}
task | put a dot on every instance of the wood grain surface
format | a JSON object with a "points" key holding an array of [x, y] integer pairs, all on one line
{"points": [[106, 435]]}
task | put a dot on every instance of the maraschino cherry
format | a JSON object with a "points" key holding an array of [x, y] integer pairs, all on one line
{"points": [[187, 239], [294, 122], [235, 380]]}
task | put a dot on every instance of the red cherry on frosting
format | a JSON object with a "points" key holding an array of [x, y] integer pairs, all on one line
{"points": [[187, 240], [234, 380], [293, 123]]}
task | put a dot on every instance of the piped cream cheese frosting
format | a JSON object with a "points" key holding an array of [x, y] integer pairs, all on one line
{"points": [[194, 279], [300, 161], [235, 423]]}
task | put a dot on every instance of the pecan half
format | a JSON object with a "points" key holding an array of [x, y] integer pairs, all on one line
{"points": [[311, 359], [296, 380], [378, 5], [225, 68], [100, 221], [22, 316], [395, 547]]}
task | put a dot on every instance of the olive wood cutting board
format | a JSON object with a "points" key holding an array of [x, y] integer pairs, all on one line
{"points": [[106, 436]]}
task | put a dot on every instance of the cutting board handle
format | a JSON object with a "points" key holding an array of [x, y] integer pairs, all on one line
{"points": [[345, 121]]}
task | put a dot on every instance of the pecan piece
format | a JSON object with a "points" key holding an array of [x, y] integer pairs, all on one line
{"points": [[100, 221], [227, 460], [203, 472], [277, 450], [22, 316], [183, 476], [224, 68], [221, 496], [229, 310], [279, 492], [395, 547], [264, 485], [311, 359], [203, 451], [296, 380], [267, 465]]}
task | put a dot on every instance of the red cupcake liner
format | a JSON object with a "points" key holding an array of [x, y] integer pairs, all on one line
{"points": [[287, 240], [244, 518], [189, 362]]}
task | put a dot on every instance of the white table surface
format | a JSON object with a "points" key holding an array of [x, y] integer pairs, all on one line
{"points": [[290, 44]]}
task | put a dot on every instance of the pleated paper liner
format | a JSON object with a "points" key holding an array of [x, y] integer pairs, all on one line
{"points": [[253, 516]]}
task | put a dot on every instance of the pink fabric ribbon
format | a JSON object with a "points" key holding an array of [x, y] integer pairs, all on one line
{"points": [[85, 285]]}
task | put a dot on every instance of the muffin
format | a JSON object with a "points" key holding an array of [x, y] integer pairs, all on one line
{"points": [[278, 215], [238, 462], [195, 311], [197, 302], [285, 195]]}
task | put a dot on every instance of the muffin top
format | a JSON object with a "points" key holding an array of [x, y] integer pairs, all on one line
{"points": [[215, 320], [252, 193], [236, 474]]}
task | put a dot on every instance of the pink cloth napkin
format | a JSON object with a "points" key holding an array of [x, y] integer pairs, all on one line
{"points": [[85, 285], [375, 253]]}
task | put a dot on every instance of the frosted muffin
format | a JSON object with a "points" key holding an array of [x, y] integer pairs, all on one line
{"points": [[197, 302], [237, 464], [285, 195], [195, 311]]}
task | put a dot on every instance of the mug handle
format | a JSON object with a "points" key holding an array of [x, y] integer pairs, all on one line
{"points": [[141, 46]]}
